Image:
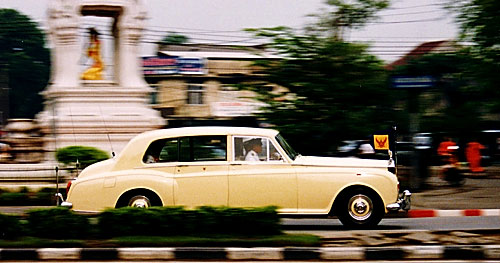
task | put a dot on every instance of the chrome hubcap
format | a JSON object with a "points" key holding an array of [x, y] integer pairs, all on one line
{"points": [[139, 201], [360, 207]]}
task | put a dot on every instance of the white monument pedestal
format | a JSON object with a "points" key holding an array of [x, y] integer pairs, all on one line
{"points": [[100, 113]]}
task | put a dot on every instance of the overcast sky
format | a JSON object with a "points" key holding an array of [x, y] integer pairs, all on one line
{"points": [[400, 28]]}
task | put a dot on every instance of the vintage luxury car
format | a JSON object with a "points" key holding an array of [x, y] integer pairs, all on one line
{"points": [[237, 167]]}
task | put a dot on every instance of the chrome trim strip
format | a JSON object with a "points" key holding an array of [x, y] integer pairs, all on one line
{"points": [[341, 166]]}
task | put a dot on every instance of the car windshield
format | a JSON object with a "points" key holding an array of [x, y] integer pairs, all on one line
{"points": [[286, 147]]}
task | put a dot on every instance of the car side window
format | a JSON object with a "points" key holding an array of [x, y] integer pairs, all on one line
{"points": [[208, 148], [274, 154], [164, 150], [187, 149], [254, 149]]}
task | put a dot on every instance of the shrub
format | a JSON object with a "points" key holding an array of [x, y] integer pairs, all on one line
{"points": [[45, 196], [172, 221], [240, 221], [57, 223], [84, 154], [14, 199], [128, 221], [10, 227]]}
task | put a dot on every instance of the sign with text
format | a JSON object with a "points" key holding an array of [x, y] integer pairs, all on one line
{"points": [[413, 82], [235, 108], [166, 65]]}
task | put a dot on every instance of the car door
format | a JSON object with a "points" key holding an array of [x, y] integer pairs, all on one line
{"points": [[268, 180], [202, 170]]}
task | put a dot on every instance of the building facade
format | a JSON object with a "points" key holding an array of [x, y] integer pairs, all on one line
{"points": [[200, 84]]}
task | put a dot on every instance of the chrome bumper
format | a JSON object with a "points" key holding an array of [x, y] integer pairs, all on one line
{"points": [[404, 202], [62, 202]]}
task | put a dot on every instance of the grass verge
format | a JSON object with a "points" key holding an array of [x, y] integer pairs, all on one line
{"points": [[302, 240], [33, 242], [297, 240]]}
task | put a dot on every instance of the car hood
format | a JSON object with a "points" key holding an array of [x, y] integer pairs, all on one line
{"points": [[340, 161]]}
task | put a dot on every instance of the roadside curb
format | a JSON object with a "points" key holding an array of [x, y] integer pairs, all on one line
{"points": [[421, 213], [261, 253]]}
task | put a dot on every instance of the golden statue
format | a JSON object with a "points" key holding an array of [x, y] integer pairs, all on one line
{"points": [[94, 52]]}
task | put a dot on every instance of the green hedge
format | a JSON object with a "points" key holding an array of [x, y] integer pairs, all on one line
{"points": [[57, 223], [62, 223], [85, 155], [24, 197], [172, 221], [10, 227]]}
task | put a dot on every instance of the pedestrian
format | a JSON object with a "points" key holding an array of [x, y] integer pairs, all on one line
{"points": [[473, 154], [446, 151]]}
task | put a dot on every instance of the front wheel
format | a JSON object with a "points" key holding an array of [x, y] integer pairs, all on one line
{"points": [[360, 209]]}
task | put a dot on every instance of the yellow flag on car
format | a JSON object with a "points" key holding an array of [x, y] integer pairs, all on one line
{"points": [[381, 142]]}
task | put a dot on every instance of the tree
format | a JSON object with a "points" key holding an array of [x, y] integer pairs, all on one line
{"points": [[173, 38], [348, 14], [479, 22], [336, 90], [23, 51], [462, 108]]}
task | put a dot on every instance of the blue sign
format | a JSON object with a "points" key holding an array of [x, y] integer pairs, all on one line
{"points": [[168, 65], [191, 65], [413, 82]]}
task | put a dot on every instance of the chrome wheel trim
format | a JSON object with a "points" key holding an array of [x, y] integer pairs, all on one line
{"points": [[139, 201], [360, 207]]}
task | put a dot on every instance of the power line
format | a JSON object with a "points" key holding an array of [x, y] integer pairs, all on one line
{"points": [[417, 6], [410, 13], [408, 21]]}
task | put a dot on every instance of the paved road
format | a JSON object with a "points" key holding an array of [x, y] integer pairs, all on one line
{"points": [[413, 224]]}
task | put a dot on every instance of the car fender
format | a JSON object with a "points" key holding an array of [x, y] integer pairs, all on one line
{"points": [[102, 191], [385, 189]]}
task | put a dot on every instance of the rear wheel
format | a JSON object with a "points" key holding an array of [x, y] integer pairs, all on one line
{"points": [[360, 208], [139, 198], [139, 201]]}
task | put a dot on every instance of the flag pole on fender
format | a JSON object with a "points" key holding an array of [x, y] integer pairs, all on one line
{"points": [[386, 141]]}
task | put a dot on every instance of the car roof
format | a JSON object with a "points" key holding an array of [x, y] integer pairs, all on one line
{"points": [[207, 130]]}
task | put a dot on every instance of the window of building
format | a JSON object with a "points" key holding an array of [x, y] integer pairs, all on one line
{"points": [[154, 93], [195, 94]]}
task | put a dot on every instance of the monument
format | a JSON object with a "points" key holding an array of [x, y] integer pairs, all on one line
{"points": [[82, 106]]}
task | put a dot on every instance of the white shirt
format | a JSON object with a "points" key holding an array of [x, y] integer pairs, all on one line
{"points": [[252, 156]]}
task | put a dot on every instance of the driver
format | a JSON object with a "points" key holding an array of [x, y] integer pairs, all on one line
{"points": [[254, 148]]}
